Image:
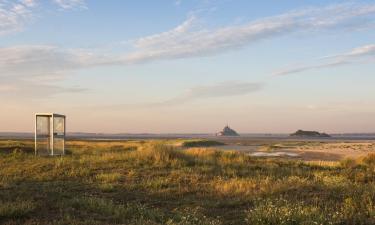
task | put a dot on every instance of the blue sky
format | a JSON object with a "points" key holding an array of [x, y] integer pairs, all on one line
{"points": [[189, 66]]}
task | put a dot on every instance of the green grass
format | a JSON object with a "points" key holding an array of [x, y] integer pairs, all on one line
{"points": [[201, 143], [16, 209], [150, 182]]}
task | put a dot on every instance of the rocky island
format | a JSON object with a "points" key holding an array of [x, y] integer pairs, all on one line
{"points": [[303, 133], [227, 131]]}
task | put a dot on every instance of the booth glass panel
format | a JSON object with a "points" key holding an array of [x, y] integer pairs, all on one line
{"points": [[58, 125], [43, 138], [49, 134]]}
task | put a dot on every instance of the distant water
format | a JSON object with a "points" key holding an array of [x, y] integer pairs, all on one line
{"points": [[93, 136], [273, 154]]}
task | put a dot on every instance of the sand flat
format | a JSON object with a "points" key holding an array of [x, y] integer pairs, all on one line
{"points": [[305, 150]]}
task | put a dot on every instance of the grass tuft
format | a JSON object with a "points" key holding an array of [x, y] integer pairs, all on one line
{"points": [[16, 209]]}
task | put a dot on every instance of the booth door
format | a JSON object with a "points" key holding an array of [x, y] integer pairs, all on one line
{"points": [[43, 137], [59, 136]]}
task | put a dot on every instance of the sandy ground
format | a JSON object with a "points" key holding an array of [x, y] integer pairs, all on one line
{"points": [[307, 151]]}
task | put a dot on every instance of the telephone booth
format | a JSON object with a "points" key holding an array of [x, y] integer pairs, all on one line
{"points": [[50, 130]]}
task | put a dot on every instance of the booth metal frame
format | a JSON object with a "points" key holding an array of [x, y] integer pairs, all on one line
{"points": [[51, 134]]}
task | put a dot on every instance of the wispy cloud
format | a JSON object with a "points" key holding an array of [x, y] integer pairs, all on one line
{"points": [[359, 54], [29, 3], [31, 89], [224, 89], [367, 50], [71, 4], [23, 67], [31, 71], [40, 67], [48, 60], [203, 92], [13, 15], [187, 41]]}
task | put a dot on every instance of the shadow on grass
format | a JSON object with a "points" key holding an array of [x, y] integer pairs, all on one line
{"points": [[17, 149]]}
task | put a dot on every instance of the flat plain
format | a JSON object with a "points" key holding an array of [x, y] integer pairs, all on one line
{"points": [[180, 181]]}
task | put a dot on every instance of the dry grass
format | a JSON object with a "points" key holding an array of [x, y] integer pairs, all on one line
{"points": [[151, 182]]}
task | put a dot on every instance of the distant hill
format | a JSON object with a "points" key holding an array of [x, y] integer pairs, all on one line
{"points": [[227, 131], [303, 133]]}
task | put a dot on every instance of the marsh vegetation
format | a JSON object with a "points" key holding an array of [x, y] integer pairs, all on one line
{"points": [[153, 182]]}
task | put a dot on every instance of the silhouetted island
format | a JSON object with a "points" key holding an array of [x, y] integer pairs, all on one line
{"points": [[227, 131], [303, 133]]}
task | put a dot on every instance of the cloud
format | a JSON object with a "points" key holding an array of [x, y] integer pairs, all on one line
{"points": [[31, 71], [71, 4], [359, 54], [367, 50], [187, 41], [219, 90], [13, 15], [36, 69], [302, 68], [39, 60], [28, 89], [29, 3], [28, 72]]}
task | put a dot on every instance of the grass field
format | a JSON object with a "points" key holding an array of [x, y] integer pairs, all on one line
{"points": [[159, 182]]}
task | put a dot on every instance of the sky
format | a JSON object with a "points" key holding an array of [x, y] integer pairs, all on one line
{"points": [[189, 66]]}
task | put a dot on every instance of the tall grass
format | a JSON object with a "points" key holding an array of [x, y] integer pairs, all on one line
{"points": [[16, 209], [158, 154], [118, 213], [152, 182]]}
